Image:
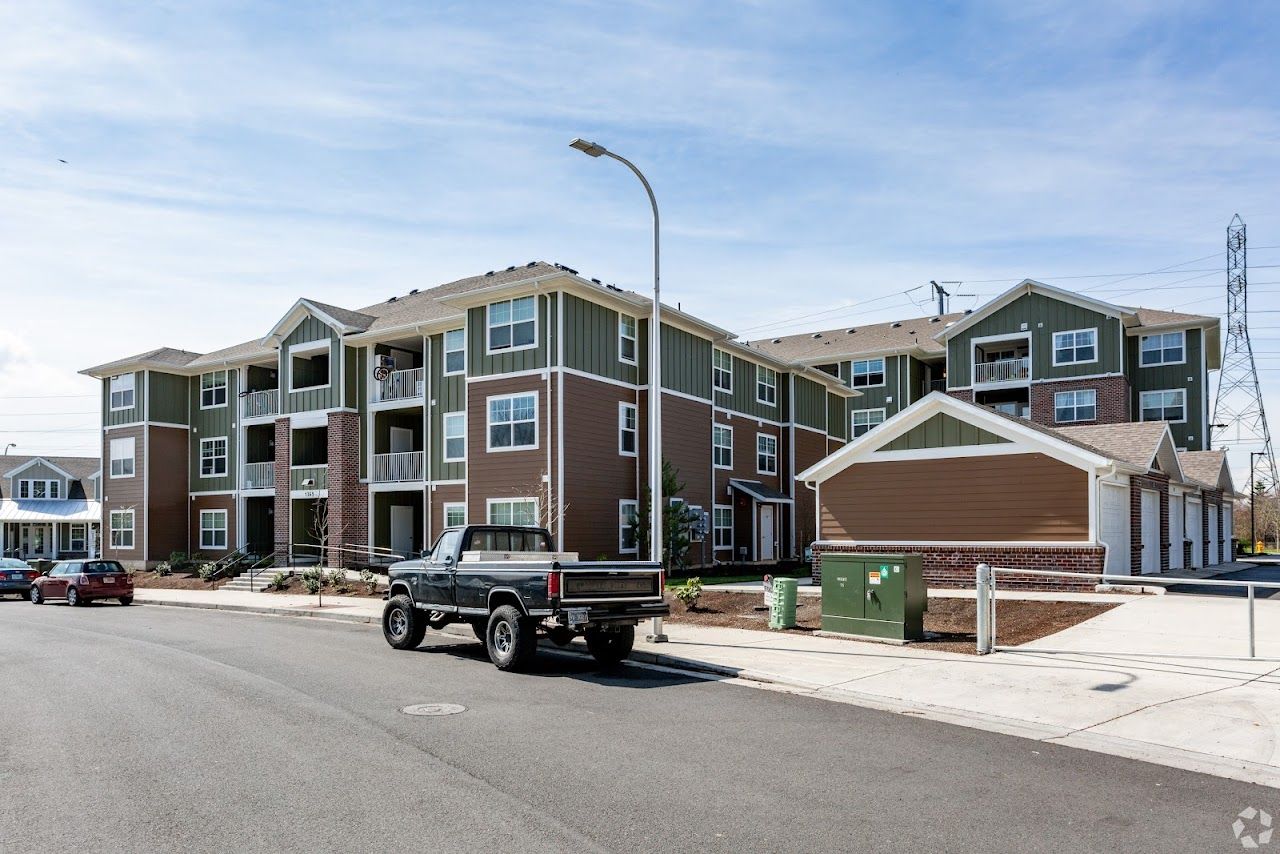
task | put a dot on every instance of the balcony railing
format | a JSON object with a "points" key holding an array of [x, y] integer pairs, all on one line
{"points": [[396, 468], [259, 403], [259, 475], [1020, 410], [1003, 371], [401, 385], [933, 385]]}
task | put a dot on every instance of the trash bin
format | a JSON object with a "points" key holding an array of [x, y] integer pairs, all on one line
{"points": [[782, 611]]}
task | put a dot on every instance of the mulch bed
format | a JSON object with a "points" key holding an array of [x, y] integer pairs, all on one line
{"points": [[950, 621], [293, 586], [175, 581]]}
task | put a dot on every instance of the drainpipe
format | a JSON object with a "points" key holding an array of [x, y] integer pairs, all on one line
{"points": [[1106, 547]]}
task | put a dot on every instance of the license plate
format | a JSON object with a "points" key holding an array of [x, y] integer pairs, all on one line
{"points": [[576, 616], [17, 576], [110, 579]]}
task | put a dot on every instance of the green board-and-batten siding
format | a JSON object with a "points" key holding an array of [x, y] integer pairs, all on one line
{"points": [[942, 431], [213, 423], [1163, 377], [168, 396], [591, 341], [312, 399], [837, 416], [482, 363], [450, 395], [810, 404], [134, 413]]}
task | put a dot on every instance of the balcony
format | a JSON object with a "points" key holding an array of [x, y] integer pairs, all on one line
{"points": [[929, 386], [1018, 410], [259, 475], [1002, 371], [398, 468], [259, 404], [401, 385]]}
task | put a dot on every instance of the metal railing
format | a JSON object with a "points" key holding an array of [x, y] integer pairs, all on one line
{"points": [[401, 385], [1003, 371], [986, 575], [395, 468], [259, 403], [933, 385], [259, 475]]}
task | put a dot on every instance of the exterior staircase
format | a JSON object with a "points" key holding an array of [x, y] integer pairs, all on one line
{"points": [[252, 580]]}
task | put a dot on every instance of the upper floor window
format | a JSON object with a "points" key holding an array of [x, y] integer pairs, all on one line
{"points": [[309, 365], [122, 391], [766, 454], [862, 420], [627, 429], [766, 385], [627, 338], [722, 446], [213, 457], [455, 352], [122, 457], [512, 325], [868, 372], [213, 389], [455, 437], [1075, 347], [513, 511], [40, 489], [1167, 405], [722, 370], [513, 422], [1080, 405], [1167, 349]]}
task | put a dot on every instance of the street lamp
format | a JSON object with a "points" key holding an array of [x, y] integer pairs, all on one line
{"points": [[1253, 502], [655, 376], [8, 446]]}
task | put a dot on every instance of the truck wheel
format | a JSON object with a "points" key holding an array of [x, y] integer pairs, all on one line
{"points": [[512, 638], [610, 648], [401, 625], [481, 628]]}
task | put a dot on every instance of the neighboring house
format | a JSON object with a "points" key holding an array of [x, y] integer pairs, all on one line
{"points": [[1055, 357], [964, 484], [49, 507], [516, 396]]}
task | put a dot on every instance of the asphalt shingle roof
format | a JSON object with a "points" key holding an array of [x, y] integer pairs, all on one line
{"points": [[1203, 466], [80, 469], [837, 344], [1133, 442], [159, 356]]}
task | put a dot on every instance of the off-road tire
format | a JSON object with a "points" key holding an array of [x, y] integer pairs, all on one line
{"points": [[611, 648], [511, 638], [402, 625]]}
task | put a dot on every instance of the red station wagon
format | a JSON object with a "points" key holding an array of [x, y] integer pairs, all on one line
{"points": [[82, 581]]}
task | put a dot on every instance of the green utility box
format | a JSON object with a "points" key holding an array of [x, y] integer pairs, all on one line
{"points": [[782, 610], [878, 596]]}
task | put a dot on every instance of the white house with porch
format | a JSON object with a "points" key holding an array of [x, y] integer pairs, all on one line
{"points": [[50, 507]]}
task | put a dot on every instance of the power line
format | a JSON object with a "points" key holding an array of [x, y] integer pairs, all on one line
{"points": [[49, 397]]}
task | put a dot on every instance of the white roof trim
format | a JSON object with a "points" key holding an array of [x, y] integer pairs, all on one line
{"points": [[294, 316], [29, 463], [1027, 286]]}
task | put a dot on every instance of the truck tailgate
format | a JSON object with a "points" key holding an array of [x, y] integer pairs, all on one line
{"points": [[608, 582]]}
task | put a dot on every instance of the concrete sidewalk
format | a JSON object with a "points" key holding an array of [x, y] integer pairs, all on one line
{"points": [[1160, 678]]}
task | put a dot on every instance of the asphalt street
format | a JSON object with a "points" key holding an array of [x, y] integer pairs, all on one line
{"points": [[165, 729], [1269, 573]]}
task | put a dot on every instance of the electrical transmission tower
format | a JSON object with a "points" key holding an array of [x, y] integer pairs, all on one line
{"points": [[1238, 412]]}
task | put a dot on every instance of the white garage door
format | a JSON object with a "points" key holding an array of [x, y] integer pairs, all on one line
{"points": [[1176, 525], [1228, 531], [1150, 532], [1195, 533], [1115, 527], [1214, 543]]}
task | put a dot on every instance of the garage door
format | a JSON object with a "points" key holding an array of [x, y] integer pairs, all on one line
{"points": [[1115, 527], [1176, 526], [1228, 531], [1150, 532], [1195, 533], [1214, 544]]}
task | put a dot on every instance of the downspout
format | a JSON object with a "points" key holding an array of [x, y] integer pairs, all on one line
{"points": [[1106, 547]]}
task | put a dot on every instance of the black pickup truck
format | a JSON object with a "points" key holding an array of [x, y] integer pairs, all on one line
{"points": [[511, 587]]}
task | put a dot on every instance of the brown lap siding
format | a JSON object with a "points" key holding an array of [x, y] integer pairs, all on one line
{"points": [[810, 449], [125, 493], [745, 431], [168, 496], [504, 474], [213, 502], [596, 475]]}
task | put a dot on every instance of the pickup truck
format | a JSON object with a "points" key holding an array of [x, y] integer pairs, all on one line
{"points": [[508, 583]]}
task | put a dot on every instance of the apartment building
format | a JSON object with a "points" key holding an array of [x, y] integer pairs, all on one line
{"points": [[515, 396], [49, 507]]}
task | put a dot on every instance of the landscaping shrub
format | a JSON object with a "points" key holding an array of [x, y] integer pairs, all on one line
{"points": [[689, 592], [206, 571], [338, 578], [279, 581], [312, 579], [369, 579], [164, 568]]}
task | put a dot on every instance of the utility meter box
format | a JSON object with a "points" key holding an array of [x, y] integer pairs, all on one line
{"points": [[878, 596]]}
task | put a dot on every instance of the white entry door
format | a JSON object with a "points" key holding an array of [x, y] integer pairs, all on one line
{"points": [[1176, 525], [767, 536], [1214, 542], [1150, 532], [1195, 533], [402, 529], [401, 440], [1115, 527]]}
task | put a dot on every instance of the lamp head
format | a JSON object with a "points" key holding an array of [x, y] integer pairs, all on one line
{"points": [[587, 147]]}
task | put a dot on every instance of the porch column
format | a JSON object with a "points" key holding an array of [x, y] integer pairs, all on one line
{"points": [[57, 536]]}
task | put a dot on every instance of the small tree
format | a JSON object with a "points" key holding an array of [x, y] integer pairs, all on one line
{"points": [[677, 520]]}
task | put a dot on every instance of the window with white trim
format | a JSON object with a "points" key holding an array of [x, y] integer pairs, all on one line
{"points": [[513, 511], [122, 457], [722, 370], [627, 429], [455, 437], [213, 529], [1078, 405], [40, 489], [722, 522], [79, 537], [455, 514], [1075, 347], [766, 385], [455, 352], [627, 339], [866, 373], [1169, 348], [122, 396], [213, 457], [121, 522], [721, 446], [766, 454], [862, 420], [628, 513], [213, 389], [513, 324], [513, 422], [1167, 405]]}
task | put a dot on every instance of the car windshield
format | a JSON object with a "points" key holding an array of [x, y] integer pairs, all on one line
{"points": [[504, 540], [102, 567]]}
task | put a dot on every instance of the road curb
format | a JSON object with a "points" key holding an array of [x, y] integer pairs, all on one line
{"points": [[256, 609]]}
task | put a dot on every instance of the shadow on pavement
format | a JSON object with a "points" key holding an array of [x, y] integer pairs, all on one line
{"points": [[1269, 573]]}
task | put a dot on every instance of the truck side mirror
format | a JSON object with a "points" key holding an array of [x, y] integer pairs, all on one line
{"points": [[448, 560]]}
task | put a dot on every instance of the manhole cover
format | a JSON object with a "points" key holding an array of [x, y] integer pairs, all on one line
{"points": [[433, 709]]}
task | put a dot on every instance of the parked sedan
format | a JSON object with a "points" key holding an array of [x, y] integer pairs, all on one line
{"points": [[16, 576], [82, 581]]}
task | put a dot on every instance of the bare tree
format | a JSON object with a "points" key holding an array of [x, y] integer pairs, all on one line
{"points": [[325, 533]]}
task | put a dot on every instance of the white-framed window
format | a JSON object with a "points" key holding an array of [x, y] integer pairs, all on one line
{"points": [[121, 457], [40, 489], [721, 446], [722, 370], [213, 457], [766, 454], [513, 422], [121, 391], [867, 373], [626, 339], [628, 511], [455, 514], [1169, 348], [309, 365], [455, 437], [722, 523], [627, 429], [766, 385], [513, 325], [79, 537], [121, 522], [213, 529], [455, 352], [862, 420], [1166, 405], [513, 511], [213, 389], [1075, 347], [1078, 405]]}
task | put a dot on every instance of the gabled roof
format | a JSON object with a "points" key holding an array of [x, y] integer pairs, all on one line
{"points": [[74, 468], [36, 461], [1029, 286], [1208, 468], [159, 358], [341, 320], [834, 345], [1147, 444]]}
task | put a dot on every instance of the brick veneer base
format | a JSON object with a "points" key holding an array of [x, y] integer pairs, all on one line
{"points": [[348, 497], [281, 518], [956, 566]]}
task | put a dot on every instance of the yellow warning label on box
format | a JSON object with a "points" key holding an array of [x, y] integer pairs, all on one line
{"points": [[873, 577]]}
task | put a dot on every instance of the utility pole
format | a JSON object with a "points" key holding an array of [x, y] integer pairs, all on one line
{"points": [[942, 295]]}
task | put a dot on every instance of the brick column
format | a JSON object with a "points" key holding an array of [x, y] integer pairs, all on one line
{"points": [[348, 497], [283, 517]]}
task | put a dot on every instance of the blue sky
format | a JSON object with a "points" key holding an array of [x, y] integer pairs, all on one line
{"points": [[223, 159]]}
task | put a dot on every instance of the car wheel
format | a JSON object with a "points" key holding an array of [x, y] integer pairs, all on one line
{"points": [[611, 647], [34, 594], [73, 597], [512, 638], [402, 626], [126, 600]]}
